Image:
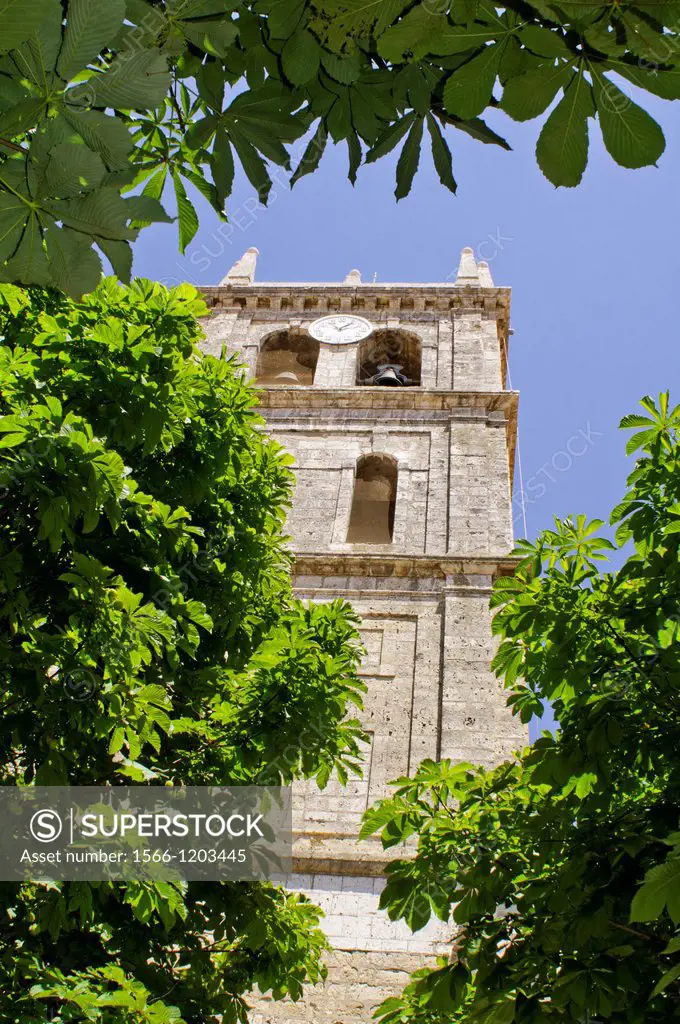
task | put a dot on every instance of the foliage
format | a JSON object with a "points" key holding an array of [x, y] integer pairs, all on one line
{"points": [[561, 867], [131, 95], [150, 635]]}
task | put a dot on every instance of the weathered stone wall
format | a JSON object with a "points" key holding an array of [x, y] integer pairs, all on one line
{"points": [[357, 982], [430, 692], [452, 485], [423, 598]]}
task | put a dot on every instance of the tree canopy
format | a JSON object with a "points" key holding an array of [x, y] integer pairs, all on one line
{"points": [[104, 104], [150, 634], [562, 865]]}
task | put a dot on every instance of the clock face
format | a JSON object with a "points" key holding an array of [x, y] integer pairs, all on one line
{"points": [[340, 329]]}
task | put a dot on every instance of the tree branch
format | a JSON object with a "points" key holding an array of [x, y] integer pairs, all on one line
{"points": [[12, 145]]}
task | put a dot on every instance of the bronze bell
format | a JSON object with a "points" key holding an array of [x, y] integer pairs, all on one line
{"points": [[287, 377], [389, 375]]}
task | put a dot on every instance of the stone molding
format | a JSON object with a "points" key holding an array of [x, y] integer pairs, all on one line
{"points": [[455, 570], [358, 396], [317, 852], [317, 298]]}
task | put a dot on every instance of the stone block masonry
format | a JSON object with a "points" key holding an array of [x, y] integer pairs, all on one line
{"points": [[435, 464]]}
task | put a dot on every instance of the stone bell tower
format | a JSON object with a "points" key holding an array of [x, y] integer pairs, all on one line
{"points": [[392, 400]]}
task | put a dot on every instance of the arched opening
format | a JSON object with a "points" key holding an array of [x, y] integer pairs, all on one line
{"points": [[371, 520], [389, 357], [287, 358]]}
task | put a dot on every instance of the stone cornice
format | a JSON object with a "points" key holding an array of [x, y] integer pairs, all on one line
{"points": [[453, 567], [362, 397], [318, 298], [317, 852]]}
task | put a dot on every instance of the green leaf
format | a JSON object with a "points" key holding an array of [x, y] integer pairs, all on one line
{"points": [[210, 81], [407, 165], [37, 55], [464, 11], [339, 118], [214, 35], [312, 154], [602, 35], [500, 1013], [670, 976], [198, 8], [468, 89], [661, 81], [74, 266], [222, 161], [144, 209], [20, 19], [478, 129], [202, 185], [562, 147], [253, 165], [201, 131], [375, 818], [102, 213], [107, 136], [71, 169], [266, 112], [359, 17], [643, 37], [632, 137], [284, 17], [441, 154], [660, 888], [29, 263], [457, 39], [390, 138], [12, 440], [90, 27], [413, 35], [355, 154], [136, 80], [301, 57], [528, 95], [119, 255], [156, 183], [188, 219], [545, 42], [22, 116], [346, 70], [13, 216]]}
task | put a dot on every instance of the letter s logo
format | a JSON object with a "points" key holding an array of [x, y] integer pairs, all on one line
{"points": [[46, 826]]}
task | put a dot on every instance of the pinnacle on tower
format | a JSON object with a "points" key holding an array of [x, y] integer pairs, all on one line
{"points": [[485, 278], [243, 271], [354, 277], [467, 268]]}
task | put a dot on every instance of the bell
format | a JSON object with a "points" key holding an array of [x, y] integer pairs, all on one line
{"points": [[389, 375], [287, 377]]}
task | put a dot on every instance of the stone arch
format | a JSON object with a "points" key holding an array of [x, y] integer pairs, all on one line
{"points": [[287, 358], [371, 519], [390, 346]]}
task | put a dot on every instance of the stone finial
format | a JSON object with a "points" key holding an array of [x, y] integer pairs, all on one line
{"points": [[243, 271], [484, 274], [354, 277], [467, 268]]}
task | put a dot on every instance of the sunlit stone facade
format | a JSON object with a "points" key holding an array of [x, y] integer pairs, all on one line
{"points": [[403, 506]]}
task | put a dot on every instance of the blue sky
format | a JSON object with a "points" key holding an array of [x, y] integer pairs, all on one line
{"points": [[594, 272]]}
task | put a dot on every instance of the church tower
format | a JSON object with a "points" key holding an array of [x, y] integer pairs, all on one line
{"points": [[392, 400]]}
